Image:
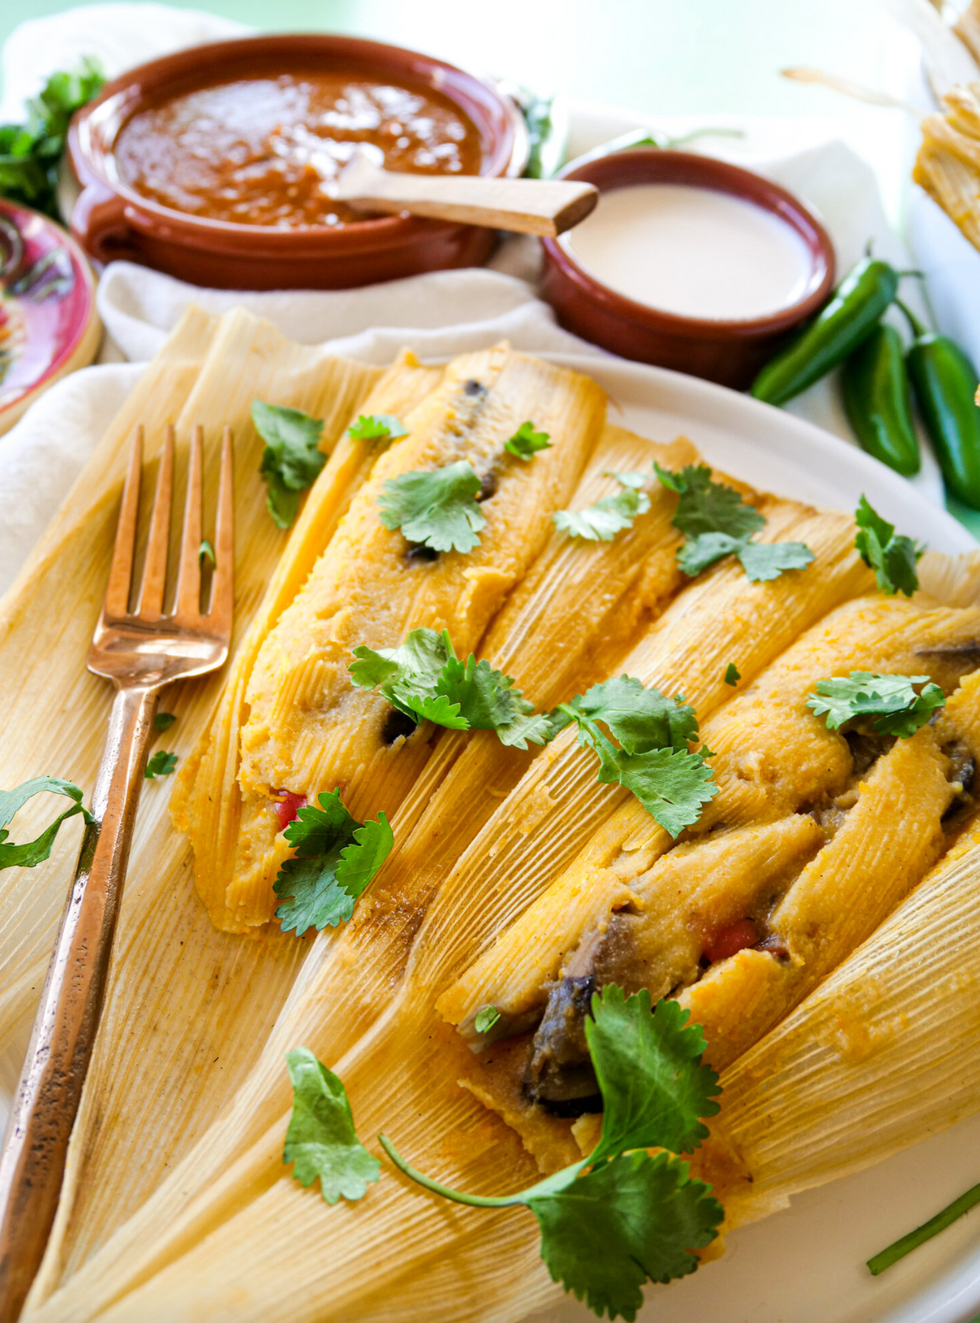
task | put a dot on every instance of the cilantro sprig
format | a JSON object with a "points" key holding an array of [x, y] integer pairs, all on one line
{"points": [[424, 679], [291, 459], [526, 442], [35, 852], [652, 758], [892, 700], [716, 522], [321, 1140], [610, 514], [335, 857], [31, 152], [485, 1019], [622, 1216], [377, 427], [435, 508], [892, 556]]}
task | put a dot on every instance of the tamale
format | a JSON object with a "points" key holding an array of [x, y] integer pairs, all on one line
{"points": [[307, 729]]}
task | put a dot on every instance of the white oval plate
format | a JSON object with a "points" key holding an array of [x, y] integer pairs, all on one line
{"points": [[807, 1264]]}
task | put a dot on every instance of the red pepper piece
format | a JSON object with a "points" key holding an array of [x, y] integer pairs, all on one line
{"points": [[288, 807], [736, 937]]}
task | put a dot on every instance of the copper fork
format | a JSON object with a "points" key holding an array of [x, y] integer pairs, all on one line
{"points": [[140, 651]]}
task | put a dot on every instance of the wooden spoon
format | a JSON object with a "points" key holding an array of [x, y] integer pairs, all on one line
{"points": [[525, 206]]}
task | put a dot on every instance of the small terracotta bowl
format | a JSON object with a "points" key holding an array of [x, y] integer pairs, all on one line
{"points": [[730, 352], [111, 220]]}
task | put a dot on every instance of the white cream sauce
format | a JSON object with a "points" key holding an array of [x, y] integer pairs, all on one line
{"points": [[692, 251]]}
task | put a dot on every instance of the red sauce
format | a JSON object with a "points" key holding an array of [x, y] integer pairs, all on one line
{"points": [[265, 151]]}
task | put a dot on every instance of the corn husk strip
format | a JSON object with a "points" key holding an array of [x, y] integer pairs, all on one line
{"points": [[948, 162], [196, 1048], [455, 800], [967, 28], [206, 802]]}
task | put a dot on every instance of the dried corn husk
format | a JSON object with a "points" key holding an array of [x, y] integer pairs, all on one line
{"points": [[948, 162]]}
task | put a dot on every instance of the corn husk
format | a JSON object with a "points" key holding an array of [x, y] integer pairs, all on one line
{"points": [[948, 162]]}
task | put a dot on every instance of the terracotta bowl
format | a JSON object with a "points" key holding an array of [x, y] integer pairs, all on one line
{"points": [[111, 220], [730, 352]]}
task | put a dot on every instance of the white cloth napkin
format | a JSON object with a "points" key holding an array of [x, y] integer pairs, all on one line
{"points": [[435, 315]]}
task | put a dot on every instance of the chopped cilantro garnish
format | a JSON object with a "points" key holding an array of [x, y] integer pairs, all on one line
{"points": [[716, 522], [623, 1216], [206, 552], [161, 764], [526, 442], [36, 851], [891, 699], [163, 720], [291, 459], [335, 858], [424, 679], [321, 1139], [609, 516], [892, 556], [435, 507], [486, 1019], [732, 675], [652, 760], [30, 153], [377, 427]]}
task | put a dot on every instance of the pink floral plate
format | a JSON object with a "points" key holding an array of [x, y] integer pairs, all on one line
{"points": [[48, 323]]}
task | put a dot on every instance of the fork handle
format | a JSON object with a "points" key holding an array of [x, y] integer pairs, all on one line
{"points": [[33, 1157]]}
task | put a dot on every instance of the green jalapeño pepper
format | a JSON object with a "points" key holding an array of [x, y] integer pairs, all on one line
{"points": [[850, 315], [945, 381], [878, 400]]}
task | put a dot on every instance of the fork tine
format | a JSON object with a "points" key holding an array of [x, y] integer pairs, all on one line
{"points": [[189, 582], [223, 579], [121, 569], [155, 569]]}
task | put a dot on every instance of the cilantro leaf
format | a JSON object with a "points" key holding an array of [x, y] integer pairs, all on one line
{"points": [[436, 507], [716, 522], [335, 859], [706, 506], [424, 679], [610, 515], [623, 1216], [30, 153], [763, 561], [321, 1139], [291, 459], [732, 675], [891, 699], [206, 552], [161, 764], [635, 1218], [671, 786], [526, 442], [653, 1084], [652, 760], [641, 719], [163, 720], [892, 557], [377, 427], [486, 1019], [35, 852]]}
